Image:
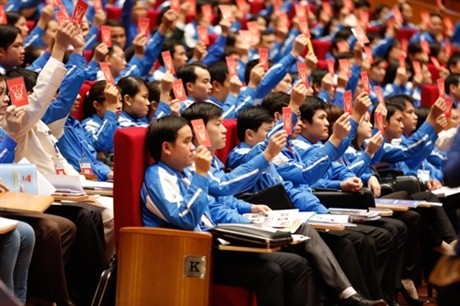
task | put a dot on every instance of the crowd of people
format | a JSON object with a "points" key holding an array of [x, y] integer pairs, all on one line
{"points": [[356, 110]]}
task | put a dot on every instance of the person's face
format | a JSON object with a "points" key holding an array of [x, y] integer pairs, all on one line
{"points": [[394, 126], [395, 52], [202, 88], [217, 133], [104, 106], [318, 129], [221, 90], [284, 85], [138, 106], [254, 137], [455, 69], [364, 130], [454, 91], [426, 80], [181, 152], [76, 104], [406, 12], [118, 35], [377, 72], [138, 11], [409, 119], [4, 99], [22, 25], [13, 56], [117, 61], [436, 26], [179, 57], [51, 29], [267, 41]]}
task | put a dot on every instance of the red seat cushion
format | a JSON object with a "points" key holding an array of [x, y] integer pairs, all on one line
{"points": [[434, 71], [113, 12], [405, 34], [429, 95], [78, 113], [231, 141], [321, 48]]}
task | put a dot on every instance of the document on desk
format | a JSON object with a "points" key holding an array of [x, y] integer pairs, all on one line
{"points": [[444, 191], [288, 220], [66, 184]]}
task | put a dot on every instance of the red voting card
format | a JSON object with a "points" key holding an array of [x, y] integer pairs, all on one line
{"points": [[242, 6], [203, 34], [3, 19], [404, 45], [365, 80], [369, 55], [425, 47], [226, 11], [175, 5], [379, 119], [300, 12], [448, 107], [360, 35], [348, 102], [192, 11], [397, 15], [287, 120], [206, 10], [231, 66], [60, 16], [435, 62], [263, 58], [441, 88], [302, 70], [448, 48], [326, 6], [167, 60], [277, 6], [344, 64], [106, 35], [303, 24], [97, 4], [179, 90], [439, 3], [253, 28], [425, 18], [417, 67], [79, 11], [342, 46], [402, 61], [62, 8], [330, 66], [379, 94], [200, 132], [349, 5], [448, 23], [107, 73], [143, 26], [18, 91]]}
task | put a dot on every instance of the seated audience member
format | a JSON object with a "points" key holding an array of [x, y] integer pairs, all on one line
{"points": [[136, 104]]}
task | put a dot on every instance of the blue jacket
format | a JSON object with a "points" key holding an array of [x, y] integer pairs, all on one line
{"points": [[102, 130]]}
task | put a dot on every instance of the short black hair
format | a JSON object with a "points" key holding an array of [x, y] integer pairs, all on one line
{"points": [[202, 110], [452, 79], [8, 33], [164, 129], [275, 101], [168, 45], [453, 60], [95, 93], [188, 74], [218, 72], [309, 108], [393, 104], [251, 119]]}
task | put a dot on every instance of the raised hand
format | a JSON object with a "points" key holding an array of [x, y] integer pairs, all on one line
{"points": [[375, 142], [277, 142], [202, 160], [341, 129], [361, 106]]}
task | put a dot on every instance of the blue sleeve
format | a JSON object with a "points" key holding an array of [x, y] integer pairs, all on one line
{"points": [[151, 54], [456, 35], [132, 69], [338, 98], [223, 211], [274, 75], [324, 95], [91, 71], [230, 107], [246, 98], [382, 47], [215, 51], [40, 62], [126, 20], [452, 165], [100, 169], [162, 110], [91, 38], [102, 136], [275, 53], [289, 42], [354, 78], [35, 37], [13, 6]]}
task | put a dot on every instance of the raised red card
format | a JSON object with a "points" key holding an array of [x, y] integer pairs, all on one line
{"points": [[331, 66], [143, 26], [342, 46], [62, 8], [287, 120], [175, 5], [79, 11], [277, 6], [435, 62], [192, 10], [60, 16], [253, 28], [168, 62], [404, 45], [263, 58], [448, 23], [242, 6], [360, 35], [344, 65], [417, 67], [402, 61], [300, 11], [107, 73], [348, 102], [18, 91], [206, 10], [349, 5], [226, 11], [379, 123], [203, 34], [97, 4], [369, 55], [439, 3], [397, 15], [3, 19], [379, 94], [441, 88], [231, 66], [326, 6], [448, 107], [106, 35], [365, 81], [179, 90], [425, 47], [303, 25], [302, 71], [448, 48], [201, 133]]}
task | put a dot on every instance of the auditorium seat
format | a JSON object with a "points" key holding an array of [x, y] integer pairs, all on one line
{"points": [[231, 140], [429, 95], [321, 48], [78, 113]]}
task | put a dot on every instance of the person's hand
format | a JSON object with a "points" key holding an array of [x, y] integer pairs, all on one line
{"points": [[110, 176], [199, 52], [401, 76], [46, 16], [375, 142], [14, 117], [175, 108], [100, 53], [256, 75], [299, 45], [139, 43], [441, 123], [327, 84], [361, 106], [374, 185], [311, 61], [444, 73], [380, 109], [112, 96], [78, 41], [167, 21], [166, 86], [260, 209], [436, 110], [277, 142], [64, 35], [225, 26], [99, 18], [203, 158], [235, 85], [433, 184], [298, 95], [3, 187], [342, 80], [341, 129], [353, 184]]}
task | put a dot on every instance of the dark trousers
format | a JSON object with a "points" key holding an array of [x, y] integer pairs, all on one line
{"points": [[277, 278]]}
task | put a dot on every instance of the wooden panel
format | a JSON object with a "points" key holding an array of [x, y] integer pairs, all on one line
{"points": [[151, 266]]}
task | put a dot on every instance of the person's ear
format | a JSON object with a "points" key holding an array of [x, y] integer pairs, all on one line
{"points": [[277, 116], [127, 99], [189, 87], [166, 148], [248, 135], [216, 85]]}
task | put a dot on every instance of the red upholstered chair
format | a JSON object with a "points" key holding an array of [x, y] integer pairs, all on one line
{"points": [[256, 6], [429, 95], [131, 159], [321, 48], [434, 71], [30, 24], [230, 142], [405, 34], [322, 64], [88, 54], [78, 113], [153, 16], [113, 12]]}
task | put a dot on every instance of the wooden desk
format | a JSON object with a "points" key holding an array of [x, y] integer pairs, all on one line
{"points": [[24, 202]]}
